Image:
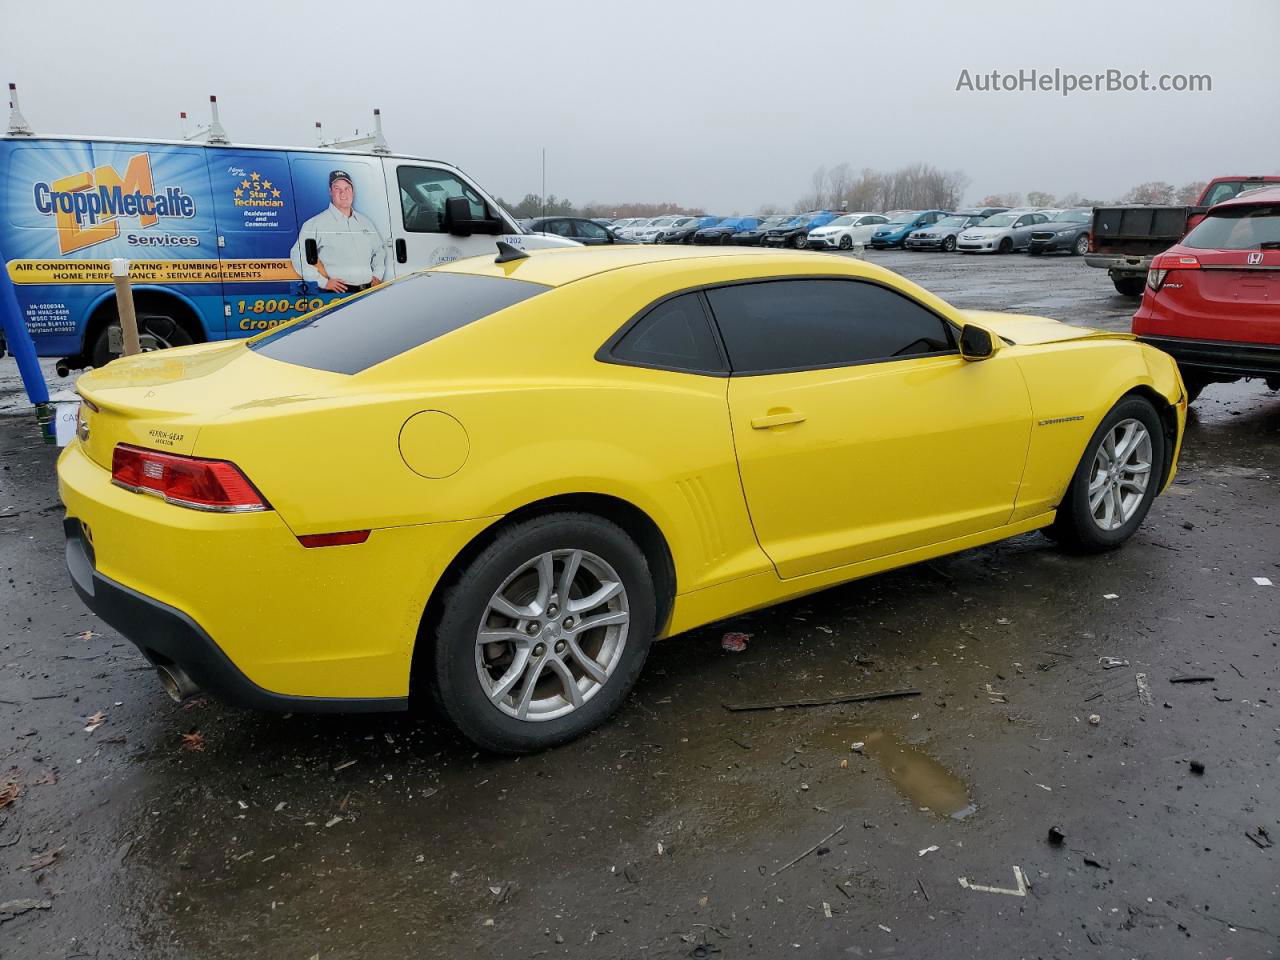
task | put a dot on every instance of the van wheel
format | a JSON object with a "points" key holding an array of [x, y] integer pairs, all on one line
{"points": [[1116, 480], [544, 634], [156, 331]]}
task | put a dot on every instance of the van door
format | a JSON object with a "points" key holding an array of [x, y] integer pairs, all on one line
{"points": [[257, 225], [418, 192]]}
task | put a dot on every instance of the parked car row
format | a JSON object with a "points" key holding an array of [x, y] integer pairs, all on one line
{"points": [[978, 230]]}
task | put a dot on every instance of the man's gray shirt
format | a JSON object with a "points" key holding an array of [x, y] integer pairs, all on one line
{"points": [[350, 248]]}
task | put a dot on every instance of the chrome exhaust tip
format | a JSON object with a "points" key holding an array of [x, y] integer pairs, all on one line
{"points": [[176, 683]]}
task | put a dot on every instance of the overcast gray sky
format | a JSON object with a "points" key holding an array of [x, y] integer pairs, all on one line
{"points": [[729, 105]]}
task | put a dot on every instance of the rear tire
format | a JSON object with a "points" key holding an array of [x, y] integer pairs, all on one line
{"points": [[156, 331], [1077, 526], [1129, 286], [467, 675]]}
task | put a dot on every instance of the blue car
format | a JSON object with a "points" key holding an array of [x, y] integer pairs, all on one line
{"points": [[723, 231], [894, 233], [795, 232]]}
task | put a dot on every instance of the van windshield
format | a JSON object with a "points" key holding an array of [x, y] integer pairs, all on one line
{"points": [[353, 335], [1244, 228]]}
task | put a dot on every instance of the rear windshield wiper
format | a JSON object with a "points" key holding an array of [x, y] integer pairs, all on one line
{"points": [[1269, 245]]}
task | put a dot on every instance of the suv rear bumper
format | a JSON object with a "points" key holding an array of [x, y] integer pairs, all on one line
{"points": [[1124, 265], [1221, 356]]}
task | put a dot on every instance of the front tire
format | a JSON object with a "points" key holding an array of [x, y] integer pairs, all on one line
{"points": [[1081, 246], [1116, 481], [846, 242], [949, 245], [1006, 246], [544, 633]]}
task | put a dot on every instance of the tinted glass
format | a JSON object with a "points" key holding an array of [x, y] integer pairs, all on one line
{"points": [[1245, 228], [423, 191], [799, 324], [674, 335], [1230, 188], [590, 231], [353, 335]]}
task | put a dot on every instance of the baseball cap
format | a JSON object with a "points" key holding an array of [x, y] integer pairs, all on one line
{"points": [[340, 175]]}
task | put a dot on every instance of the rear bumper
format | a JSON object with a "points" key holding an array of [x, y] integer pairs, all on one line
{"points": [[167, 636], [1220, 356], [331, 628], [1123, 265]]}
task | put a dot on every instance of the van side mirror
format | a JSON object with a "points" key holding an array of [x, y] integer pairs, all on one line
{"points": [[458, 221], [976, 343], [312, 251]]}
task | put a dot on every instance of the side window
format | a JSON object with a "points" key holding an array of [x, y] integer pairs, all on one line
{"points": [[561, 228], [589, 230], [423, 191], [782, 325], [674, 335]]}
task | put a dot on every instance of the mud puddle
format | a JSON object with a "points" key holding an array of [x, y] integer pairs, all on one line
{"points": [[916, 775]]}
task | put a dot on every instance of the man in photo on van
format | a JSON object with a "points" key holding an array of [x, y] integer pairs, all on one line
{"points": [[351, 257]]}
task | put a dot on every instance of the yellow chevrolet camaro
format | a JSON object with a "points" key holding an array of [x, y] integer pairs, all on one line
{"points": [[494, 483]]}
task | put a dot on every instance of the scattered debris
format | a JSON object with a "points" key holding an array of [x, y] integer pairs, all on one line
{"points": [[343, 765], [87, 634], [1261, 838], [1144, 690], [1094, 719], [826, 909], [734, 642], [995, 696], [502, 891], [1111, 596], [333, 821], [1262, 581], [46, 779], [822, 701], [16, 908], [1056, 837], [857, 746], [95, 721], [1236, 669], [1019, 891], [920, 884], [927, 850], [884, 928], [9, 791], [791, 863], [844, 763], [193, 741], [1192, 678], [1109, 663], [1197, 768], [1095, 862]]}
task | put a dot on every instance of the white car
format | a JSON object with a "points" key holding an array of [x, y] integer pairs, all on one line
{"points": [[620, 227], [845, 231], [652, 231]]}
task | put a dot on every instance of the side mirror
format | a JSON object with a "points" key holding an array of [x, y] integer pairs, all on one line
{"points": [[457, 219], [977, 343], [312, 252]]}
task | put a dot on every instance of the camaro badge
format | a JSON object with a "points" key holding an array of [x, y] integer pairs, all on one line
{"points": [[1046, 423]]}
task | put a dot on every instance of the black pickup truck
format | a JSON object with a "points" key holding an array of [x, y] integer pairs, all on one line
{"points": [[1126, 238]]}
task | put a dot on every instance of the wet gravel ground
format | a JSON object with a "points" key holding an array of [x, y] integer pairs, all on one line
{"points": [[206, 832]]}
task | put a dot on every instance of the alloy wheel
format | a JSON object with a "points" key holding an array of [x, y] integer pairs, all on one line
{"points": [[552, 635], [1120, 474]]}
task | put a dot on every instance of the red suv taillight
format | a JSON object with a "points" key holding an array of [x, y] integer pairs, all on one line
{"points": [[193, 482], [1165, 262]]}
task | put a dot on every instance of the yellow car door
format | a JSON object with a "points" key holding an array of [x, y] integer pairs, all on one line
{"points": [[860, 431]]}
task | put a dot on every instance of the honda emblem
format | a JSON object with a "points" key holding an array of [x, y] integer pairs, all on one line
{"points": [[1255, 257]]}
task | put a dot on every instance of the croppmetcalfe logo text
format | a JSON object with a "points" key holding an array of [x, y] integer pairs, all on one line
{"points": [[85, 206]]}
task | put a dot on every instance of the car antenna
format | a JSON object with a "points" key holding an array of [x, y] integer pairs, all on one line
{"points": [[507, 253]]}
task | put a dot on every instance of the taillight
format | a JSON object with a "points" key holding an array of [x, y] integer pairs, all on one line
{"points": [[1165, 262], [194, 482]]}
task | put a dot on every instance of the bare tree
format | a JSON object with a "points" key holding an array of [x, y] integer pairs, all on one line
{"points": [[1188, 194], [1001, 200], [1154, 191], [1038, 198]]}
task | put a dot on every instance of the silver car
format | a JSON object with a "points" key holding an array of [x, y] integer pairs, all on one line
{"points": [[1002, 233]]}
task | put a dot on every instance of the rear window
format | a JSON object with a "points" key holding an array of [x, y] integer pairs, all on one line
{"points": [[355, 334], [1244, 228]]}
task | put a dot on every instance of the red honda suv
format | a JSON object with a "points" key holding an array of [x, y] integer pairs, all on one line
{"points": [[1212, 300]]}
